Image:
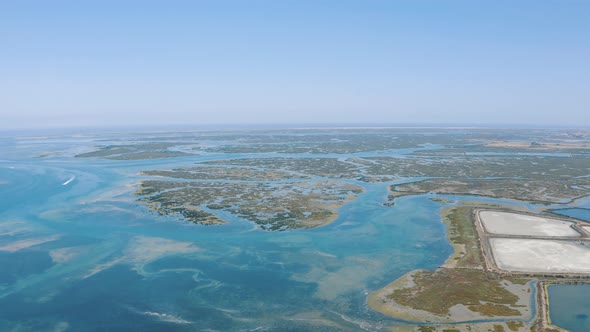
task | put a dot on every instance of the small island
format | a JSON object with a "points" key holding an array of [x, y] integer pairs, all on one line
{"points": [[275, 200]]}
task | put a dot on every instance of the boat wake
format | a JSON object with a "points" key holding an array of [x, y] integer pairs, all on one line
{"points": [[69, 180]]}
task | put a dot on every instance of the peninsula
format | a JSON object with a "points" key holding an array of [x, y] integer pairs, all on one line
{"points": [[501, 256]]}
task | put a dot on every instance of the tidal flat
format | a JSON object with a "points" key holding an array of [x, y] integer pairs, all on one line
{"points": [[275, 229]]}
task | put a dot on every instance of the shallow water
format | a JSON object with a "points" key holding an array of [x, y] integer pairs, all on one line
{"points": [[86, 256], [570, 306], [582, 214]]}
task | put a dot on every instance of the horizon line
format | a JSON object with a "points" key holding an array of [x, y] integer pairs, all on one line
{"points": [[213, 127]]}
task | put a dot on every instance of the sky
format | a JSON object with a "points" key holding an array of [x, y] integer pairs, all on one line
{"points": [[161, 63]]}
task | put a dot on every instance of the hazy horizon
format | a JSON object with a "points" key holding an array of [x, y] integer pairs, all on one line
{"points": [[257, 127], [182, 63]]}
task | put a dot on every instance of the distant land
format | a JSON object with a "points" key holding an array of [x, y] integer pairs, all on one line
{"points": [[379, 228]]}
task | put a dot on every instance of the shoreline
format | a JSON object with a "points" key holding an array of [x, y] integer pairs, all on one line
{"points": [[377, 302], [543, 322], [383, 300], [458, 313]]}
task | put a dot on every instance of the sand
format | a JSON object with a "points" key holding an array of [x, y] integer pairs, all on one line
{"points": [[143, 250], [23, 244]]}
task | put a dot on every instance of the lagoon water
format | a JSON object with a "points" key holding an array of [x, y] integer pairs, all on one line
{"points": [[570, 306], [582, 214], [83, 255]]}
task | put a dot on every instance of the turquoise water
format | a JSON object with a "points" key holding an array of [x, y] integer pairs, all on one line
{"points": [[84, 255], [570, 306], [87, 257]]}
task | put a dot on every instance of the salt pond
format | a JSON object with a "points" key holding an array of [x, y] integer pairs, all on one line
{"points": [[547, 256], [506, 223]]}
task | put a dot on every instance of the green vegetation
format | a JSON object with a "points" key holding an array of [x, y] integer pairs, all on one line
{"points": [[273, 206], [498, 328], [517, 280], [135, 151], [335, 141], [483, 167], [461, 232], [515, 326], [539, 191], [471, 163], [317, 172], [462, 282], [424, 328], [275, 191], [438, 291], [323, 167], [226, 173]]}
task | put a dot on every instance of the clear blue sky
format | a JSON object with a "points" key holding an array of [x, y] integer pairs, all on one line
{"points": [[95, 63]]}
